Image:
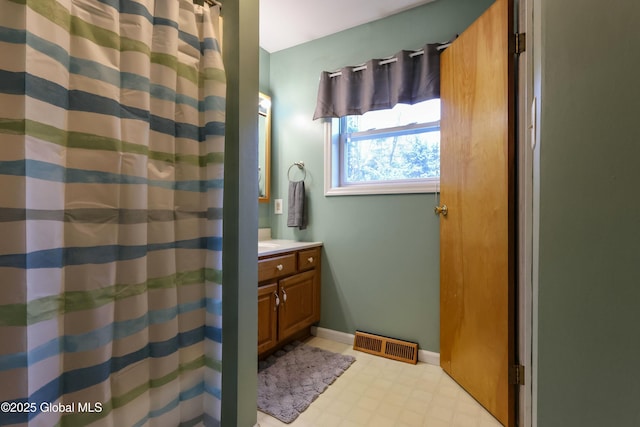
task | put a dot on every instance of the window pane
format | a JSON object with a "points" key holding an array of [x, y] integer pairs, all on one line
{"points": [[400, 115], [397, 157]]}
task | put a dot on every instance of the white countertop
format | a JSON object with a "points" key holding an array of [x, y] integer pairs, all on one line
{"points": [[276, 246]]}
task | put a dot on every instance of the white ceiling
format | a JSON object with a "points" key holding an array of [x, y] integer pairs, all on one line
{"points": [[287, 23]]}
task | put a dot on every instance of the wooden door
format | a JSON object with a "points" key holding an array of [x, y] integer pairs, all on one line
{"points": [[267, 317], [477, 294], [297, 303]]}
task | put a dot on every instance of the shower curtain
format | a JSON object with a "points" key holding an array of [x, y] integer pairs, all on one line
{"points": [[111, 178]]}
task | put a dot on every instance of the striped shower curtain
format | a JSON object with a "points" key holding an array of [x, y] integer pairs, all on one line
{"points": [[111, 170]]}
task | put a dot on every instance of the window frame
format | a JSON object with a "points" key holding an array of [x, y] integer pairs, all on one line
{"points": [[334, 164]]}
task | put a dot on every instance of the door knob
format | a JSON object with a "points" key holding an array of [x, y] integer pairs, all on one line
{"points": [[441, 210]]}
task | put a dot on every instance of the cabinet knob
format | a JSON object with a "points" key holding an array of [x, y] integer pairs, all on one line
{"points": [[275, 294], [284, 296], [310, 260], [279, 267]]}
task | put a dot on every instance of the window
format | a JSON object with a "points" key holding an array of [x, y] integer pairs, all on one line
{"points": [[385, 151]]}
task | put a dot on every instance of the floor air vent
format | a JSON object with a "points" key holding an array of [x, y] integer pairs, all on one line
{"points": [[386, 347]]}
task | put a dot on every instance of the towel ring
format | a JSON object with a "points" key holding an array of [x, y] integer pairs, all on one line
{"points": [[300, 166]]}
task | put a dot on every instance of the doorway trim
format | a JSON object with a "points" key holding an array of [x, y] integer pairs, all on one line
{"points": [[527, 101]]}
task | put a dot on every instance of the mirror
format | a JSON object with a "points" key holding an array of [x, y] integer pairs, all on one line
{"points": [[264, 147]]}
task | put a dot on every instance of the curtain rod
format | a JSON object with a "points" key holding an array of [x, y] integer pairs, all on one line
{"points": [[390, 60]]}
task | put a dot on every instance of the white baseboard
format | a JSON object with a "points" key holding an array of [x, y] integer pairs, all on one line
{"points": [[330, 334], [425, 356], [430, 357]]}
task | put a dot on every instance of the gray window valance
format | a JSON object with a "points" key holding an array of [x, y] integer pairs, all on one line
{"points": [[406, 78]]}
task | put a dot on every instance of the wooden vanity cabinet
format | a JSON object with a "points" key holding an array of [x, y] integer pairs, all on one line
{"points": [[288, 296]]}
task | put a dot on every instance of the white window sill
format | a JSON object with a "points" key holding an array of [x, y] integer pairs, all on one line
{"points": [[383, 188]]}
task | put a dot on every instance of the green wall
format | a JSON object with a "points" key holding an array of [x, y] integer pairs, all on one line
{"points": [[589, 214], [381, 253], [240, 248], [264, 84]]}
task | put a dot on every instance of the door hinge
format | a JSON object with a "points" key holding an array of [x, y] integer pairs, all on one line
{"points": [[516, 375], [521, 42]]}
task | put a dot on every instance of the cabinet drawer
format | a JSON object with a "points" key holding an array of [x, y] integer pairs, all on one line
{"points": [[279, 266], [308, 258]]}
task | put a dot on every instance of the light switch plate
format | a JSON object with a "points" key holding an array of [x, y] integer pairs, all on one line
{"points": [[277, 206]]}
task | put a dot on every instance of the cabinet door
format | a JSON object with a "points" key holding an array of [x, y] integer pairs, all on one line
{"points": [[298, 296], [267, 317], [298, 303]]}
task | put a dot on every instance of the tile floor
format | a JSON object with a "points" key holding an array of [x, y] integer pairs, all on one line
{"points": [[376, 391]]}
